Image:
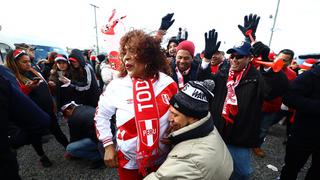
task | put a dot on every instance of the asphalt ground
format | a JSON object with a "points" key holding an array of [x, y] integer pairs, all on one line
{"points": [[30, 168]]}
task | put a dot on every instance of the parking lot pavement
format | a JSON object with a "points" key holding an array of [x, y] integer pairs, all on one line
{"points": [[30, 168]]}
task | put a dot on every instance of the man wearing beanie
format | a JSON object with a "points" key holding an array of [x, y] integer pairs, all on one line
{"points": [[184, 68], [199, 152]]}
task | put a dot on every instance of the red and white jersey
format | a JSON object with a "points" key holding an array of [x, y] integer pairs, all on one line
{"points": [[118, 99]]}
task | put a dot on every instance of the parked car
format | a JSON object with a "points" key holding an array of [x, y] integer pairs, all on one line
{"points": [[43, 48]]}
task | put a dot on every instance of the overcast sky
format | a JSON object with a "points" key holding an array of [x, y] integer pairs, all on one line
{"points": [[71, 22]]}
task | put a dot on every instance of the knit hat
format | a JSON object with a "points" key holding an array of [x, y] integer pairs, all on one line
{"points": [[61, 57], [174, 40], [186, 45], [308, 63], [193, 100]]}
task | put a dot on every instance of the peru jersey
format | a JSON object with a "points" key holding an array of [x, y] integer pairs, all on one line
{"points": [[118, 99]]}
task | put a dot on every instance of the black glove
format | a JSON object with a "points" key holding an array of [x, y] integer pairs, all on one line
{"points": [[259, 49], [250, 22], [166, 22], [211, 45]]}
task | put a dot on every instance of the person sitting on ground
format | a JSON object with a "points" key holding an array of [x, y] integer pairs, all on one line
{"points": [[199, 151], [83, 139]]}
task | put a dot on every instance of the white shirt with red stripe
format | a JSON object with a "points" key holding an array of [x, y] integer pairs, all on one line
{"points": [[118, 99]]}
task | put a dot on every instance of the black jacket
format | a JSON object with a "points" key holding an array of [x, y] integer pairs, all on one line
{"points": [[304, 97], [253, 88], [81, 123], [86, 88]]}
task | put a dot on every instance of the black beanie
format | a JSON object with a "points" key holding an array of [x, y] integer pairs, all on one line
{"points": [[193, 100]]}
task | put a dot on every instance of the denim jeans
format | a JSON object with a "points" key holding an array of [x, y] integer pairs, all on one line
{"points": [[267, 120], [241, 162], [84, 148]]}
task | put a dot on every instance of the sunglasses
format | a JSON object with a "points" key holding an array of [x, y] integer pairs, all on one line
{"points": [[232, 56]]}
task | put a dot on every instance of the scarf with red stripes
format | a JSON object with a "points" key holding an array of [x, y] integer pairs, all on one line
{"points": [[147, 123], [230, 106]]}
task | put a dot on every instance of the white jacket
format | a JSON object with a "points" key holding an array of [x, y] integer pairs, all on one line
{"points": [[118, 99]]}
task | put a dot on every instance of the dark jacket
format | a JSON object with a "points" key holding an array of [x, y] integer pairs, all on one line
{"points": [[41, 96], [191, 76], [304, 97], [63, 95], [253, 88], [86, 88], [81, 123], [16, 108]]}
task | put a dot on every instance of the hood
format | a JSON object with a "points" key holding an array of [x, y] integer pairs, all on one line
{"points": [[77, 54]]}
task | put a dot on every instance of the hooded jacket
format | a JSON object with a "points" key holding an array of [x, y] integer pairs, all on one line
{"points": [[86, 89], [304, 97], [199, 153]]}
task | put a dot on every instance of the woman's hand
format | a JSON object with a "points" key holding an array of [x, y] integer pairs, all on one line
{"points": [[32, 84], [110, 156], [51, 84]]}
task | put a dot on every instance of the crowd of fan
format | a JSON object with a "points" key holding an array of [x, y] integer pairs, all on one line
{"points": [[163, 113]]}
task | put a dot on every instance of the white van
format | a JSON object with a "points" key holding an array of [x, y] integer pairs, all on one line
{"points": [[8, 41]]}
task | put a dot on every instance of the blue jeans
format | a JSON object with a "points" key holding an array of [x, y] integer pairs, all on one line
{"points": [[267, 120], [241, 162], [84, 148]]}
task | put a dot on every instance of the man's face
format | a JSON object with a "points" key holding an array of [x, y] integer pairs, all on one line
{"points": [[183, 60], [238, 62], [178, 120], [217, 58], [286, 59]]}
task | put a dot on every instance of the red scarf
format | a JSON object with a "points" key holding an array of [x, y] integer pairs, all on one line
{"points": [[214, 69], [147, 123], [230, 106], [180, 77]]}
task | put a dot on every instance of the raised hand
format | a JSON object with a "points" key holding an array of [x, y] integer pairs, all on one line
{"points": [[260, 49], [166, 22], [250, 23], [211, 44]]}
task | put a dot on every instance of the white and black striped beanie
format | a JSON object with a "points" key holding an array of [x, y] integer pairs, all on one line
{"points": [[193, 100]]}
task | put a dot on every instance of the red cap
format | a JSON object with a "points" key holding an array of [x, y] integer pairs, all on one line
{"points": [[307, 64], [186, 45], [73, 59]]}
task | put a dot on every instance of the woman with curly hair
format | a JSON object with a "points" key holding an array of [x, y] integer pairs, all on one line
{"points": [[140, 101], [35, 86]]}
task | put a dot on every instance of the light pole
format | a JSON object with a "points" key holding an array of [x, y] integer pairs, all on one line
{"points": [[95, 20], [274, 23]]}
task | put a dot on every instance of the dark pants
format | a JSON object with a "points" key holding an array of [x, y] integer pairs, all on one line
{"points": [[9, 168], [295, 159], [56, 131]]}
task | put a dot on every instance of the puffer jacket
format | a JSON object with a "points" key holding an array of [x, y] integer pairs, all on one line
{"points": [[200, 153]]}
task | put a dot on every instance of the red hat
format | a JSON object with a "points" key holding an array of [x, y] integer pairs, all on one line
{"points": [[93, 58], [307, 64], [18, 53], [186, 45], [73, 59]]}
